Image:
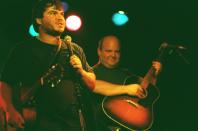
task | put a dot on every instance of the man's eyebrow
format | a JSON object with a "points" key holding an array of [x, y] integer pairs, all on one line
{"points": [[55, 10]]}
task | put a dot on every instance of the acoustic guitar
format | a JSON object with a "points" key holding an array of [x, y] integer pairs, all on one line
{"points": [[131, 112]]}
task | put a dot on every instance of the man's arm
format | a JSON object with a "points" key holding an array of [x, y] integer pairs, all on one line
{"points": [[88, 78], [13, 117], [110, 89], [6, 96]]}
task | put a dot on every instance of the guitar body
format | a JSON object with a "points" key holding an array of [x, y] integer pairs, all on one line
{"points": [[131, 112]]}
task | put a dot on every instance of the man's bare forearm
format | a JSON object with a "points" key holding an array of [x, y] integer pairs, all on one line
{"points": [[89, 79], [108, 89], [6, 96]]}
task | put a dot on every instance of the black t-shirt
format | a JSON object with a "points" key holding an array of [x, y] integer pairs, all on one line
{"points": [[30, 60], [117, 76]]}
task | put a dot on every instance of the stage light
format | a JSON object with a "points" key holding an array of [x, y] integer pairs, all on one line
{"points": [[65, 6], [73, 22], [32, 31], [120, 18]]}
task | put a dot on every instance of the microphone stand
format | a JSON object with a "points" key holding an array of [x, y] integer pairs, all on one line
{"points": [[176, 48], [182, 56]]}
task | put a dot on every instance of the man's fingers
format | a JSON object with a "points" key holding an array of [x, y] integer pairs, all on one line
{"points": [[21, 122], [17, 123], [21, 125], [142, 93], [11, 124]]}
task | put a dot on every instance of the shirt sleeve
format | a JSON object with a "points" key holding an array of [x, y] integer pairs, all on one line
{"points": [[79, 51], [13, 68]]}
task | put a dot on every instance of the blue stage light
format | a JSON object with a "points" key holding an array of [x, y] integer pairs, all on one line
{"points": [[32, 31], [120, 18]]}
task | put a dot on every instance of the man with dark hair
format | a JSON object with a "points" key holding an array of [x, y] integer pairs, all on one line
{"points": [[53, 71], [111, 81]]}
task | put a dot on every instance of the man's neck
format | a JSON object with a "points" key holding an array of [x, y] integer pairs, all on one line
{"points": [[108, 66], [49, 39]]}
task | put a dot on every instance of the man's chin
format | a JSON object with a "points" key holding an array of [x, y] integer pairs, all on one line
{"points": [[56, 33], [113, 65]]}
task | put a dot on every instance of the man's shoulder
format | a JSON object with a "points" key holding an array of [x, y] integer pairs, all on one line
{"points": [[23, 47], [96, 66], [76, 46], [25, 43]]}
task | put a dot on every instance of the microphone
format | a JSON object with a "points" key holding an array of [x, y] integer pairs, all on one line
{"points": [[68, 41], [166, 45]]}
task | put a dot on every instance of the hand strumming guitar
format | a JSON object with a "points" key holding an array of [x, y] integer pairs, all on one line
{"points": [[135, 90], [14, 118]]}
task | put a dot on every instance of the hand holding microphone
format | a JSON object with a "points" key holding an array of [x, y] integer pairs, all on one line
{"points": [[74, 60], [76, 63]]}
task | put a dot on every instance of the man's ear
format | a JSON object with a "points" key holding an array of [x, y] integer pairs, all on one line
{"points": [[38, 21], [99, 51]]}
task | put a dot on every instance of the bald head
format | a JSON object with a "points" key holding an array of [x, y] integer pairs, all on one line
{"points": [[108, 39], [109, 51]]}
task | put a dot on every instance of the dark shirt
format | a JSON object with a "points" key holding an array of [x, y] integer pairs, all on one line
{"points": [[117, 76], [30, 60]]}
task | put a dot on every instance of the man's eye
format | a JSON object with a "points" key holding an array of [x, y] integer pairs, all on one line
{"points": [[52, 13], [108, 50], [63, 14]]}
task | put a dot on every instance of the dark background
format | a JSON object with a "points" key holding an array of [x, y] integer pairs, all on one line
{"points": [[150, 24]]}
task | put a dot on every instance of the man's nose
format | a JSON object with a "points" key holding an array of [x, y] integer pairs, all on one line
{"points": [[60, 17], [113, 54]]}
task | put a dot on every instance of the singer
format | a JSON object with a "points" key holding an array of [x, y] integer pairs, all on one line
{"points": [[54, 74]]}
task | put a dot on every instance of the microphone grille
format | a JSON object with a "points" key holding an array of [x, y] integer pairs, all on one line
{"points": [[68, 39]]}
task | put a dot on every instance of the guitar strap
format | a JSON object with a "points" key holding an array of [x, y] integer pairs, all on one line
{"points": [[53, 59]]}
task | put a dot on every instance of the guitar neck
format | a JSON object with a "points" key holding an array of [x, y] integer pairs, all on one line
{"points": [[28, 92], [150, 77]]}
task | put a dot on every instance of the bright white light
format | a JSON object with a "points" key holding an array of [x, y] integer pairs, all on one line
{"points": [[121, 12], [73, 22]]}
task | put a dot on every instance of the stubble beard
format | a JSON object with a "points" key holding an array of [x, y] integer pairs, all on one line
{"points": [[53, 32]]}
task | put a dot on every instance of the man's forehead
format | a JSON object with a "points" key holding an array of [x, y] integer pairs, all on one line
{"points": [[111, 42], [55, 8]]}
